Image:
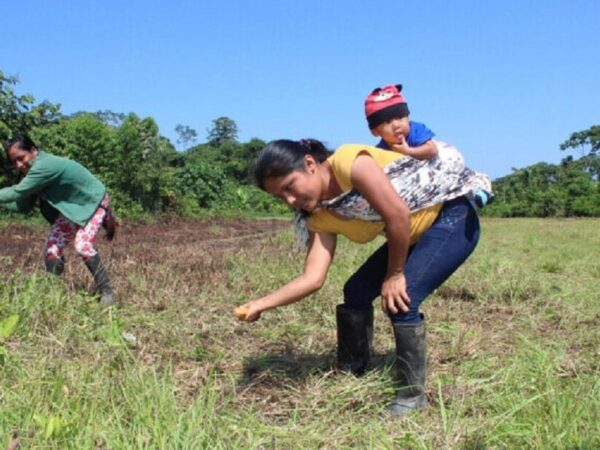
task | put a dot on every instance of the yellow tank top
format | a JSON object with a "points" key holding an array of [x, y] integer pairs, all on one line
{"points": [[359, 230]]}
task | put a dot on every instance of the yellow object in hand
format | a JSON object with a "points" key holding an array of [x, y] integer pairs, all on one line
{"points": [[241, 312]]}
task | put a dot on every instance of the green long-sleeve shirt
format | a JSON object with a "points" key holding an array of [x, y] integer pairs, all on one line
{"points": [[64, 184]]}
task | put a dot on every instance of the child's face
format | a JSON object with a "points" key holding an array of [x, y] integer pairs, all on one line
{"points": [[21, 159], [392, 130]]}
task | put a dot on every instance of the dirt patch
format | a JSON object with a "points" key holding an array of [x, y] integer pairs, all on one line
{"points": [[23, 245]]}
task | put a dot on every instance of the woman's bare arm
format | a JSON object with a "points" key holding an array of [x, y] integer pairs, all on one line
{"points": [[318, 260], [370, 180]]}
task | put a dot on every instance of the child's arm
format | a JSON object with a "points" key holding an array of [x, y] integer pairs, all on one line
{"points": [[427, 150]]}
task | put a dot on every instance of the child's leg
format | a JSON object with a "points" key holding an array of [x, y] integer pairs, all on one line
{"points": [[483, 197], [452, 160]]}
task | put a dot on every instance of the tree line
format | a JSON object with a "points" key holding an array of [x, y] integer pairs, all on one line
{"points": [[568, 189], [147, 174], [142, 169]]}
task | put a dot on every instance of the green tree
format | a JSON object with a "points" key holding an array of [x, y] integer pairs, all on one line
{"points": [[239, 162], [202, 181], [582, 139], [87, 140], [570, 188], [223, 129], [143, 154], [20, 113], [185, 135]]}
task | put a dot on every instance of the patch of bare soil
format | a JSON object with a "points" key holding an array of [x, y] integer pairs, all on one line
{"points": [[23, 245]]}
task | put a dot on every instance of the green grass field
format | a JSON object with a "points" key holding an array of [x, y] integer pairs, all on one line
{"points": [[513, 337]]}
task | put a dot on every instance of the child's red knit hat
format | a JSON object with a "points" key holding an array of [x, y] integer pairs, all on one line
{"points": [[385, 103]]}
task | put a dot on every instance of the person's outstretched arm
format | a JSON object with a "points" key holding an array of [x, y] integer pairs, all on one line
{"points": [[36, 180], [368, 178], [318, 260], [22, 205]]}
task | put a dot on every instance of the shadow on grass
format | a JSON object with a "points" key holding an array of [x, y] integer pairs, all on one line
{"points": [[285, 367], [289, 366]]}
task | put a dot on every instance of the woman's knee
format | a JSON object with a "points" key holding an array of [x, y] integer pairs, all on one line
{"points": [[351, 292], [84, 249], [357, 293], [412, 316], [53, 250]]}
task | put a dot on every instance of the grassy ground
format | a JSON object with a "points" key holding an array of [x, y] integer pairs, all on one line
{"points": [[513, 339]]}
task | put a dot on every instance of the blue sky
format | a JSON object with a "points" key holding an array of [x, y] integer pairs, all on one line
{"points": [[506, 81]]}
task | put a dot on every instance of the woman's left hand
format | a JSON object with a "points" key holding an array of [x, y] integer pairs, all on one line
{"points": [[394, 297]]}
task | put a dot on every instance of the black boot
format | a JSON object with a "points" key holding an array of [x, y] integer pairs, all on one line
{"points": [[411, 368], [101, 280], [55, 266], [355, 334]]}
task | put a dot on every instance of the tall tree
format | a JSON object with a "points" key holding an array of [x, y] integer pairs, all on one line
{"points": [[223, 129], [111, 118], [185, 135], [144, 155], [583, 139], [20, 113]]}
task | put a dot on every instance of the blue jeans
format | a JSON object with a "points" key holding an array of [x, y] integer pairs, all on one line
{"points": [[438, 253]]}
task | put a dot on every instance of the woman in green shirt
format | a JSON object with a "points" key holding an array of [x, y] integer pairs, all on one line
{"points": [[73, 200]]}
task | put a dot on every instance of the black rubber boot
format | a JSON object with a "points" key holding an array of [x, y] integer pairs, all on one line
{"points": [[101, 280], [355, 335], [411, 368], [55, 266]]}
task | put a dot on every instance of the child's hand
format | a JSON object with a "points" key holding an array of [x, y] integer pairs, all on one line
{"points": [[247, 312], [401, 146]]}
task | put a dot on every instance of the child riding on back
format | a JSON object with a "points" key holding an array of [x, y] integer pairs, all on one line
{"points": [[387, 115]]}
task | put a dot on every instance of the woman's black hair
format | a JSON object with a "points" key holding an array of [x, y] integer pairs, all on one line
{"points": [[21, 141], [283, 156]]}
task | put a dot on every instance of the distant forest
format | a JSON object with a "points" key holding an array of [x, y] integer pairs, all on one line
{"points": [[568, 189], [146, 173]]}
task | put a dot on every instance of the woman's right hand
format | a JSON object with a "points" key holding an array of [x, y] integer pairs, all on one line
{"points": [[248, 312]]}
